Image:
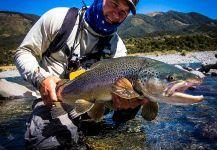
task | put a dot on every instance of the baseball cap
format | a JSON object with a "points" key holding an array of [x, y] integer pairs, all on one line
{"points": [[132, 5]]}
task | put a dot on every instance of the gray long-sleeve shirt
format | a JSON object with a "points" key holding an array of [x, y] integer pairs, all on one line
{"points": [[28, 58]]}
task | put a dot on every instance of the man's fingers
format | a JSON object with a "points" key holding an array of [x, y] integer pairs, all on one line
{"points": [[52, 95], [122, 103], [116, 101], [143, 101], [46, 100], [119, 102], [48, 90], [125, 103], [133, 103]]}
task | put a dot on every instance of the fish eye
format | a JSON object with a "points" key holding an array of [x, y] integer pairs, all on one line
{"points": [[170, 78]]}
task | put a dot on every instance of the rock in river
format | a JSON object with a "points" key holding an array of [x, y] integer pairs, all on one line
{"points": [[12, 90]]}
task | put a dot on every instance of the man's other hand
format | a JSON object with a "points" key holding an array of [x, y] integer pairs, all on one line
{"points": [[122, 103], [48, 90]]}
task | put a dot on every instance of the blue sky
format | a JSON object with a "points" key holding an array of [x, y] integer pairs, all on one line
{"points": [[38, 7]]}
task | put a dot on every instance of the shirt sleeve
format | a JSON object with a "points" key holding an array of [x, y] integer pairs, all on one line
{"points": [[28, 56], [117, 47]]}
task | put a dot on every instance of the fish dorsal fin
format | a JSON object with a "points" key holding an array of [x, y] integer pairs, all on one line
{"points": [[149, 110], [123, 88]]}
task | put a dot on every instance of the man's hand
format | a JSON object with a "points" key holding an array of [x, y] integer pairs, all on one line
{"points": [[122, 103], [48, 90]]}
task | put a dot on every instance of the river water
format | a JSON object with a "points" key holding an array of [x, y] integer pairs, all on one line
{"points": [[176, 127], [186, 127]]}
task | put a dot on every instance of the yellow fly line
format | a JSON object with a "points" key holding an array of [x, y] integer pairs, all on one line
{"points": [[74, 74]]}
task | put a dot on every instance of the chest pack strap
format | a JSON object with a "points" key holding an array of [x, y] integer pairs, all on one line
{"points": [[103, 52], [60, 40]]}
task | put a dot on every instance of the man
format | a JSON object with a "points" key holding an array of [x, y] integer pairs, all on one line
{"points": [[99, 20]]}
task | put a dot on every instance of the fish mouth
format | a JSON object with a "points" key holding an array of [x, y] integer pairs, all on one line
{"points": [[176, 91]]}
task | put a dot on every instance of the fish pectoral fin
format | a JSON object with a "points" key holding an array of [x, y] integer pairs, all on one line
{"points": [[81, 106], [123, 88], [57, 110], [150, 110]]}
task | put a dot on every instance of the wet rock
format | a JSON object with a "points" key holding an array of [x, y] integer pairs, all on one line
{"points": [[11, 90], [11, 73], [214, 72], [209, 68], [108, 136], [116, 141]]}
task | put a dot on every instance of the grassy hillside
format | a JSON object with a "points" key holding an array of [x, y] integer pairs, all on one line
{"points": [[13, 28]]}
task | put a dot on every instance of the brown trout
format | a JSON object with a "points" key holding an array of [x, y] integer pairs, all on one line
{"points": [[128, 77]]}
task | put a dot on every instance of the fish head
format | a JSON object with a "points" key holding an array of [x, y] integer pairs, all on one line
{"points": [[165, 83]]}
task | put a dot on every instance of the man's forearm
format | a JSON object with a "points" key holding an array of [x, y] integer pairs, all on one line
{"points": [[29, 67]]}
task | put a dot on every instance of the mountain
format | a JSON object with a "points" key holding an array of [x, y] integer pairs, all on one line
{"points": [[171, 22], [13, 28]]}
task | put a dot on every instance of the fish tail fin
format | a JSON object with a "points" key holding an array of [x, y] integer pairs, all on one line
{"points": [[150, 110], [81, 106]]}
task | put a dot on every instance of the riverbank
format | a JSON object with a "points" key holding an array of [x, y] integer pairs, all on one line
{"points": [[7, 68], [205, 57]]}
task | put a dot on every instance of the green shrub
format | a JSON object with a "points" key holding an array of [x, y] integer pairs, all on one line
{"points": [[181, 43]]}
